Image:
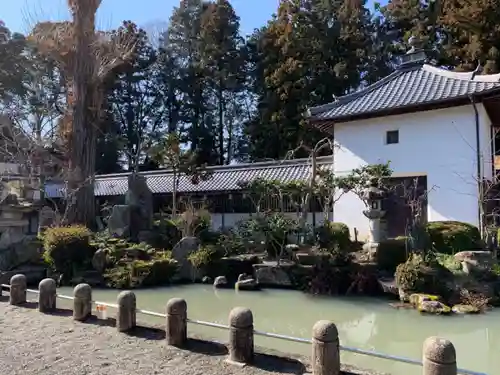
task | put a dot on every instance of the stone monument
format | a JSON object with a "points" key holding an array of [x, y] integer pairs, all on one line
{"points": [[135, 217], [373, 196]]}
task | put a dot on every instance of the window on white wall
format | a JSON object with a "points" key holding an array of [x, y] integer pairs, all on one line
{"points": [[392, 137]]}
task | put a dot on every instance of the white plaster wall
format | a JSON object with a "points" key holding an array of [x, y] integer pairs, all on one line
{"points": [[231, 219], [439, 143]]}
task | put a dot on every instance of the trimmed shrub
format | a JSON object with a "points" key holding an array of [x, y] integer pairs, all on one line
{"points": [[450, 237], [391, 253], [66, 248], [331, 234]]}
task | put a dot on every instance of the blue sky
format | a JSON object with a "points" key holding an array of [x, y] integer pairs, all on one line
{"points": [[21, 15]]}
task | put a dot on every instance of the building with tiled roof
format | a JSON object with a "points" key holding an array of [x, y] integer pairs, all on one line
{"points": [[426, 121]]}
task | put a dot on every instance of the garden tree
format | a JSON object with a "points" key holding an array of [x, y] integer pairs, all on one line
{"points": [[223, 61], [309, 53], [403, 19], [182, 44], [12, 62], [168, 153], [473, 32], [135, 100], [87, 60]]}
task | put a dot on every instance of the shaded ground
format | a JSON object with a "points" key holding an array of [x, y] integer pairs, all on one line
{"points": [[35, 343]]}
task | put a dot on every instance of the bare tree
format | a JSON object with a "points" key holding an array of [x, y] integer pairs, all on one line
{"points": [[87, 59]]}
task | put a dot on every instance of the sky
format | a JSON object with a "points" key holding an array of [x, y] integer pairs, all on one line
{"points": [[152, 15]]}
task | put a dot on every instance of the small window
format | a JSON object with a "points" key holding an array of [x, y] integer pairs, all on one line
{"points": [[392, 137]]}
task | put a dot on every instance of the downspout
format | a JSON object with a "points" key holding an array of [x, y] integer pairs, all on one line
{"points": [[478, 166]]}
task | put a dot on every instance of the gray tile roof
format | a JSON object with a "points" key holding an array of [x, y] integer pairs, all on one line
{"points": [[410, 85], [225, 178]]}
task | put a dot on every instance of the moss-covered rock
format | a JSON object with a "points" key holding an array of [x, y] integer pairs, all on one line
{"points": [[433, 307], [465, 309], [451, 237], [417, 298]]}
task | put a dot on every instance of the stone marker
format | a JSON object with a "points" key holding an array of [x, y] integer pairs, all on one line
{"points": [[17, 289], [176, 329], [241, 347], [82, 303], [439, 357], [47, 295], [325, 349], [126, 314]]}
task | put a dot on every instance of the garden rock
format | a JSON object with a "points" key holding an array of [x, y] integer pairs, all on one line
{"points": [[99, 260], [433, 307], [247, 284], [119, 221], [465, 309], [181, 252], [220, 282], [272, 276], [207, 280], [475, 260]]}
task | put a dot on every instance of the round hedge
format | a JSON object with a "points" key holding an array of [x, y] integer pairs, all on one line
{"points": [[450, 237]]}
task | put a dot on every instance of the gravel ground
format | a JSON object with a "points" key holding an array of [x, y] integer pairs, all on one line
{"points": [[35, 343]]}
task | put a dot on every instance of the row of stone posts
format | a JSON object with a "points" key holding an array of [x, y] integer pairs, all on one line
{"points": [[439, 356]]}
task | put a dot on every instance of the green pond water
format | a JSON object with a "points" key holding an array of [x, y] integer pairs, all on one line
{"points": [[369, 324]]}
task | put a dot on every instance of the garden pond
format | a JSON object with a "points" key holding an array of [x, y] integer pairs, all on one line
{"points": [[365, 323]]}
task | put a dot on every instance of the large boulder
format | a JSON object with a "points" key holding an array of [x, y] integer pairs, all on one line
{"points": [[181, 252], [119, 221], [26, 250], [271, 275], [99, 260]]}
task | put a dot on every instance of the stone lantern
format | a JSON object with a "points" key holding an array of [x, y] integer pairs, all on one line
{"points": [[373, 196]]}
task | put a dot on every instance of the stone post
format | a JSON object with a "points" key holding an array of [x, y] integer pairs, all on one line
{"points": [[17, 289], [439, 357], [325, 349], [82, 303], [126, 314], [176, 329], [241, 348], [47, 295]]}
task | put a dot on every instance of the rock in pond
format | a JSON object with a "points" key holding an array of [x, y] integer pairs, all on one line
{"points": [[416, 299], [247, 284], [465, 309], [433, 307], [207, 280], [271, 275], [220, 282]]}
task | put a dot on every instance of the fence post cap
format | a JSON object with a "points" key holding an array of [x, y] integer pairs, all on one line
{"points": [[82, 291], [47, 285], [325, 330], [18, 279], [176, 306], [439, 350], [126, 298], [241, 317]]}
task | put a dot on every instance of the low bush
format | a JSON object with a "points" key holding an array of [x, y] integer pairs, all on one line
{"points": [[67, 248], [159, 270], [331, 234], [450, 237], [204, 257], [391, 253]]}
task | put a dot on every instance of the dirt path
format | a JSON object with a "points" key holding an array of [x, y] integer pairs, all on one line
{"points": [[35, 343]]}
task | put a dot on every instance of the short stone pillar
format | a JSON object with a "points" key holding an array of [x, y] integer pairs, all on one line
{"points": [[82, 303], [47, 295], [439, 357], [241, 347], [126, 315], [325, 349], [176, 329], [18, 288]]}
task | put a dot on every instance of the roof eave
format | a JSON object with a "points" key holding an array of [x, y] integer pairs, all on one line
{"points": [[437, 104]]}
